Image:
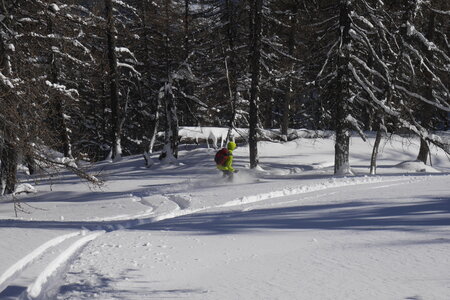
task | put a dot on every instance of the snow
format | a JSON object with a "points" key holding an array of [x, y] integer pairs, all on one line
{"points": [[62, 88], [416, 166], [22, 263], [288, 230], [24, 188], [54, 8], [36, 289], [6, 81], [206, 133], [130, 67]]}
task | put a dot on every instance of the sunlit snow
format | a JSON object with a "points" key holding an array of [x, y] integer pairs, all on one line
{"points": [[288, 230]]}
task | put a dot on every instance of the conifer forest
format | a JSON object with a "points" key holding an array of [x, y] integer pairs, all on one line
{"points": [[101, 79]]}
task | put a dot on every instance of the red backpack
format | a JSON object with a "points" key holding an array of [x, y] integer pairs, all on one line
{"points": [[221, 156]]}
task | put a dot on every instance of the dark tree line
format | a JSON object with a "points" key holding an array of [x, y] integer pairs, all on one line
{"points": [[97, 79]]}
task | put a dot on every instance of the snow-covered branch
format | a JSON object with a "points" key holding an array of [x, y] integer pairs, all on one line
{"points": [[63, 89], [423, 99], [130, 67]]}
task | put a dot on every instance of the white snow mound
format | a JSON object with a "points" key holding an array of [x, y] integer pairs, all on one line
{"points": [[24, 188], [416, 166]]}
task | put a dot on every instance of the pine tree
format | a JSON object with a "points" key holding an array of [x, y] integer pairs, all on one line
{"points": [[36, 83], [8, 160], [335, 78], [221, 63], [425, 53]]}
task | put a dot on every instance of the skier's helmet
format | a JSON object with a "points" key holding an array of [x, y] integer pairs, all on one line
{"points": [[231, 146]]}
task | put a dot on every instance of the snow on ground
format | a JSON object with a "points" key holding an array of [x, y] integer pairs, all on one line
{"points": [[289, 230]]}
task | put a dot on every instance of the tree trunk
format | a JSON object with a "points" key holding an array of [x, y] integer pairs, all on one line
{"points": [[286, 109], [186, 29], [233, 101], [342, 146], [113, 83], [288, 96], [230, 65], [154, 127], [255, 52], [8, 165], [154, 122], [426, 113], [30, 163], [58, 107], [268, 109], [59, 122], [8, 150], [373, 159], [424, 151], [62, 128], [170, 150]]}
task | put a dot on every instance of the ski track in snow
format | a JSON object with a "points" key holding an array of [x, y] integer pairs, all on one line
{"points": [[172, 205], [167, 206], [183, 202], [44, 285], [46, 282], [312, 188], [19, 266]]}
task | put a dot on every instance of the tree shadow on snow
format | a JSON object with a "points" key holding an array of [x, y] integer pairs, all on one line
{"points": [[12, 292], [104, 286], [416, 216], [432, 212]]}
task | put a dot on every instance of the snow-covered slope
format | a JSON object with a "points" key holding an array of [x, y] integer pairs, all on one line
{"points": [[289, 230]]}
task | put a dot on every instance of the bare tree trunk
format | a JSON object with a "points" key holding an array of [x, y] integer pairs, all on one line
{"points": [[154, 126], [288, 95], [373, 159], [170, 150], [427, 110], [268, 109], [113, 82], [255, 52], [286, 112], [233, 102], [342, 146], [154, 122], [230, 64], [30, 163], [8, 165], [424, 151], [186, 29], [57, 102]]}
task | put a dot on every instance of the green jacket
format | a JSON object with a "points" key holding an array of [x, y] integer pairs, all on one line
{"points": [[228, 164]]}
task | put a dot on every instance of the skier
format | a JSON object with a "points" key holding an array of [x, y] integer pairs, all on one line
{"points": [[224, 160]]}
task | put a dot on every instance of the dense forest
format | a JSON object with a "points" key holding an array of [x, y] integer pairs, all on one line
{"points": [[96, 79]]}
